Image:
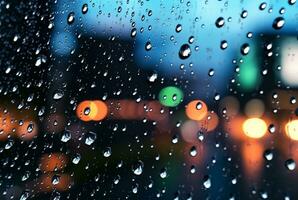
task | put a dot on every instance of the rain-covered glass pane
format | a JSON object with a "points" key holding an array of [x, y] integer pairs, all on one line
{"points": [[148, 99]]}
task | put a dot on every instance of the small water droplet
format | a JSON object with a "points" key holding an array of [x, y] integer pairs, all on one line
{"points": [[55, 179], [211, 72], [137, 168], [70, 18], [148, 46], [244, 14], [290, 164], [245, 49], [199, 106], [178, 28], [263, 6], [163, 173], [58, 95], [271, 128], [85, 8], [107, 152], [193, 151], [175, 139], [223, 44], [293, 100], [291, 2], [66, 136], [207, 181], [268, 155], [133, 32], [90, 138], [76, 159]]}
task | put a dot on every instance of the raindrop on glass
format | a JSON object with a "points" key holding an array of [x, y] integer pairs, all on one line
{"points": [[178, 28], [245, 49], [268, 155], [193, 151], [207, 181], [278, 23], [290, 164], [148, 46], [107, 152], [85, 8], [70, 18], [220, 22], [137, 168], [184, 51]]}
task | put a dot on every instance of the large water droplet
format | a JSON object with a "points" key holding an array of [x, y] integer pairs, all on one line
{"points": [[90, 138], [178, 28], [85, 8], [107, 152], [163, 173], [278, 23], [58, 95], [268, 155], [70, 18], [55, 179], [76, 159], [137, 168], [220, 22], [245, 49], [291, 2], [290, 164], [193, 151], [148, 46], [66, 136], [184, 51], [207, 182]]}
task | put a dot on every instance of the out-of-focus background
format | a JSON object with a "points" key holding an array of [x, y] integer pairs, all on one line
{"points": [[146, 99]]}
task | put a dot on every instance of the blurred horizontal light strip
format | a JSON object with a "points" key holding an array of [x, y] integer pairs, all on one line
{"points": [[132, 110]]}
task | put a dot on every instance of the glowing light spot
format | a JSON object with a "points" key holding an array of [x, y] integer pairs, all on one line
{"points": [[196, 110], [92, 110], [292, 129], [254, 127], [99, 109], [83, 111], [170, 96]]}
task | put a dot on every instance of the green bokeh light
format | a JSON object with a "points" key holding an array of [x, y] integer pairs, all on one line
{"points": [[170, 96], [249, 76]]}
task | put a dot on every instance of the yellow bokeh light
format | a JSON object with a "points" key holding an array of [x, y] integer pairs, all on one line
{"points": [[292, 129], [254, 127], [93, 110]]}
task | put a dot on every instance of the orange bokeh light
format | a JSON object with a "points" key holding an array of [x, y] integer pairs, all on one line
{"points": [[50, 162], [101, 110], [196, 110], [92, 110], [81, 111], [210, 122]]}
